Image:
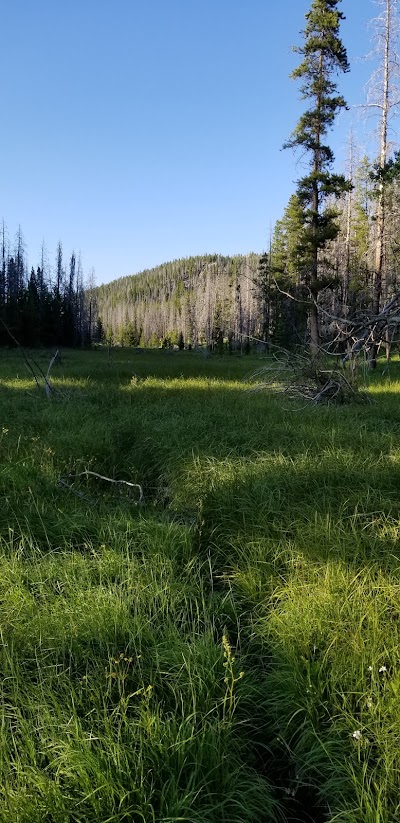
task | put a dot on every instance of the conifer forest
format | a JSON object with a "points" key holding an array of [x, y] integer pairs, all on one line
{"points": [[43, 306]]}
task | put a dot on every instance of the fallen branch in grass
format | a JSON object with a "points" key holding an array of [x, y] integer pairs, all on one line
{"points": [[69, 479]]}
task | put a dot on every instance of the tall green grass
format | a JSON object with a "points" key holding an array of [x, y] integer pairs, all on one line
{"points": [[227, 651]]}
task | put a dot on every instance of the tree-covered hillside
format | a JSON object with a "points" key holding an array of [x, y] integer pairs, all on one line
{"points": [[188, 302]]}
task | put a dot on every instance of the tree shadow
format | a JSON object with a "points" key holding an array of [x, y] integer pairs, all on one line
{"points": [[239, 461], [258, 483]]}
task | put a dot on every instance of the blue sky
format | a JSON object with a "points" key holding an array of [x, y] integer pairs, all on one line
{"points": [[140, 131]]}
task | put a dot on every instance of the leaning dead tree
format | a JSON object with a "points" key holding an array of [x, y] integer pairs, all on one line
{"points": [[311, 378], [33, 367], [365, 332]]}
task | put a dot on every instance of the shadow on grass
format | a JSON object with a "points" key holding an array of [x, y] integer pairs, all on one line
{"points": [[123, 363], [243, 463], [265, 485], [326, 508]]}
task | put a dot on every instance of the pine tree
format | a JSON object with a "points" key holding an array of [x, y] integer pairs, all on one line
{"points": [[19, 258], [287, 319], [3, 268], [323, 56], [59, 270], [30, 333], [262, 282]]}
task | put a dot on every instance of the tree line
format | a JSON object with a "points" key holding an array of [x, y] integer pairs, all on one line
{"points": [[43, 305]]}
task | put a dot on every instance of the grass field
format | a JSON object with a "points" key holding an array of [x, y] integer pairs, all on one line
{"points": [[227, 650]]}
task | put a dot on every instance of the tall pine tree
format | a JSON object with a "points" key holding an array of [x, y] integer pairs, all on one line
{"points": [[323, 57]]}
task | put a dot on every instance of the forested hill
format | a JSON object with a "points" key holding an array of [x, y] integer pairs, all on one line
{"points": [[189, 301]]}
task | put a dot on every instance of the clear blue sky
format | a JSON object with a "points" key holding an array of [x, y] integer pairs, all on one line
{"points": [[139, 131]]}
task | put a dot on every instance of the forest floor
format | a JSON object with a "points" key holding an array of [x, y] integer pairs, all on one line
{"points": [[225, 649]]}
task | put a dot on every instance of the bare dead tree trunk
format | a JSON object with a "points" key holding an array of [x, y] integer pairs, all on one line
{"points": [[349, 217], [386, 32]]}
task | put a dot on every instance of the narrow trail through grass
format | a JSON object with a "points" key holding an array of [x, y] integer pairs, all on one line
{"points": [[227, 651]]}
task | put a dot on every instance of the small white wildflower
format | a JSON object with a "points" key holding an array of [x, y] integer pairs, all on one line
{"points": [[370, 703], [382, 669], [357, 735], [370, 669]]}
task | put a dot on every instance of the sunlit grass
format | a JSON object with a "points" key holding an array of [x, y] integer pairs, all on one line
{"points": [[183, 384], [230, 643], [20, 383]]}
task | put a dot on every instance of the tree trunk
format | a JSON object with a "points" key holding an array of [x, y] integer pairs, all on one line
{"points": [[314, 330], [380, 210]]}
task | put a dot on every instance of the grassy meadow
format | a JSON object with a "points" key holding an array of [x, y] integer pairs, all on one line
{"points": [[227, 650]]}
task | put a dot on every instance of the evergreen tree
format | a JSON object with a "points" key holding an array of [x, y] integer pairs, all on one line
{"points": [[3, 268], [286, 258], [59, 270], [262, 283], [69, 337], [99, 331], [11, 280], [30, 332], [19, 258], [323, 56]]}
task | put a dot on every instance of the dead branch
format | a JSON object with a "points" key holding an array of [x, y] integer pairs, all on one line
{"points": [[25, 358], [301, 376], [68, 481], [47, 386], [29, 360], [290, 296]]}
